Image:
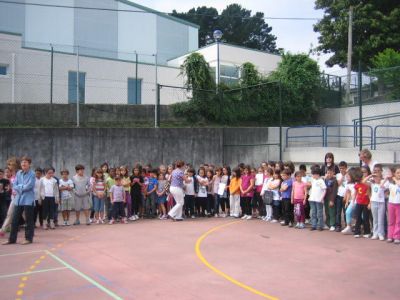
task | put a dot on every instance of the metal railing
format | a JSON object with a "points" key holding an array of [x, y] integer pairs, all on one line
{"points": [[324, 139], [389, 139]]}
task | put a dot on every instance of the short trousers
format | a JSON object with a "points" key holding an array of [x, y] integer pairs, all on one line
{"points": [[67, 203], [82, 202]]}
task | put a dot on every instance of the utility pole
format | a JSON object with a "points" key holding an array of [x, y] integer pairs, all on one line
{"points": [[349, 53]]}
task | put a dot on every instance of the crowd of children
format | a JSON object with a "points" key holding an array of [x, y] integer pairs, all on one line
{"points": [[331, 197]]}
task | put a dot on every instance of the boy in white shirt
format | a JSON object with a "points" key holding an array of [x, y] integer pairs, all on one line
{"points": [[316, 199]]}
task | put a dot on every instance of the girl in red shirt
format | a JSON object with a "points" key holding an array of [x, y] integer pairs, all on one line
{"points": [[362, 209]]}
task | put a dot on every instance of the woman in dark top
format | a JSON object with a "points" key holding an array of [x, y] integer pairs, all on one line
{"points": [[328, 162]]}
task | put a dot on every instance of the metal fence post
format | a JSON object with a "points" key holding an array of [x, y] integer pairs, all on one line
{"points": [[360, 116], [156, 120], [77, 86], [51, 73], [136, 77], [280, 121], [157, 108]]}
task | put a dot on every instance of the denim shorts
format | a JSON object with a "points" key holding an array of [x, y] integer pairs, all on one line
{"points": [[98, 204]]}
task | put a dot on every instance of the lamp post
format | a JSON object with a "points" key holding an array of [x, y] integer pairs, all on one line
{"points": [[217, 37]]}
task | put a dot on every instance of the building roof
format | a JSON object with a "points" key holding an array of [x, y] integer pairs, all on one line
{"points": [[161, 14], [225, 44]]}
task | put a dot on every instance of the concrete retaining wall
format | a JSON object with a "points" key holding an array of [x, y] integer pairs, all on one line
{"points": [[64, 148]]}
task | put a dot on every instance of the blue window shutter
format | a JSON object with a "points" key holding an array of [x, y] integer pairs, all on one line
{"points": [[134, 96]]}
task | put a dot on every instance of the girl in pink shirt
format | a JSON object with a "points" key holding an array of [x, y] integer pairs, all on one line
{"points": [[246, 193], [299, 195]]}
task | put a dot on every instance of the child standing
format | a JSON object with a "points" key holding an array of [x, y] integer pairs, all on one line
{"points": [[210, 193], [394, 207], [49, 195], [316, 199], [201, 199], [247, 192], [99, 194], [378, 206], [137, 183], [342, 182], [258, 203], [215, 186], [273, 186], [267, 194], [349, 200], [330, 196], [151, 198], [38, 211], [118, 198], [286, 192], [361, 210], [234, 191], [66, 187], [126, 183], [162, 196], [110, 181], [190, 193], [298, 199], [224, 198], [4, 188], [81, 193]]}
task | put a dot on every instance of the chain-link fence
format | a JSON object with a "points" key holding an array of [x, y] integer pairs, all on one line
{"points": [[37, 73]]}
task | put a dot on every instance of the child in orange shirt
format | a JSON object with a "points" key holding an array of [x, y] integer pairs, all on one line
{"points": [[234, 191]]}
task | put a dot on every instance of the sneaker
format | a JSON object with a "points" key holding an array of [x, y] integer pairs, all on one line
{"points": [[111, 222], [320, 229], [283, 223], [374, 237], [2, 234], [357, 236], [381, 238], [338, 229], [52, 226], [313, 228], [249, 218], [77, 222], [98, 222], [64, 224], [67, 223], [274, 221], [347, 230], [390, 240], [297, 226], [397, 242], [366, 236], [244, 217], [216, 216], [102, 221], [307, 221], [88, 222], [326, 227], [290, 225], [302, 226], [193, 217], [125, 221], [133, 218], [332, 228], [45, 226]]}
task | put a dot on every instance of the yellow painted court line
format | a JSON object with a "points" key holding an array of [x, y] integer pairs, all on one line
{"points": [[219, 272]]}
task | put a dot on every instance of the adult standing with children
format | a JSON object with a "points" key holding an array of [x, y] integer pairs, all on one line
{"points": [[176, 189], [24, 202]]}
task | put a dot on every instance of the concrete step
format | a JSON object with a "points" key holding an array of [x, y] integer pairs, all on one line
{"points": [[311, 155]]}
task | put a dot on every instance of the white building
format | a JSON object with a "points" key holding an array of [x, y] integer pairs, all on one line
{"points": [[121, 50], [231, 58]]}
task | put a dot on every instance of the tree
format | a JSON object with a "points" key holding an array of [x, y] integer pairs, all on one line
{"points": [[239, 27], [300, 80], [376, 26], [387, 70], [197, 72]]}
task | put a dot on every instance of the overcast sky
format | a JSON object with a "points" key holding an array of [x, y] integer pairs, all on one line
{"points": [[293, 36]]}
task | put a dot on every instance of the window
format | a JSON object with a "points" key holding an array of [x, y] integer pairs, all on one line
{"points": [[72, 87], [229, 71], [3, 70], [134, 91]]}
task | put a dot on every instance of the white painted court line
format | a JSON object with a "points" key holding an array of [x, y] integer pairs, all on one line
{"points": [[21, 253], [92, 281], [32, 272]]}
